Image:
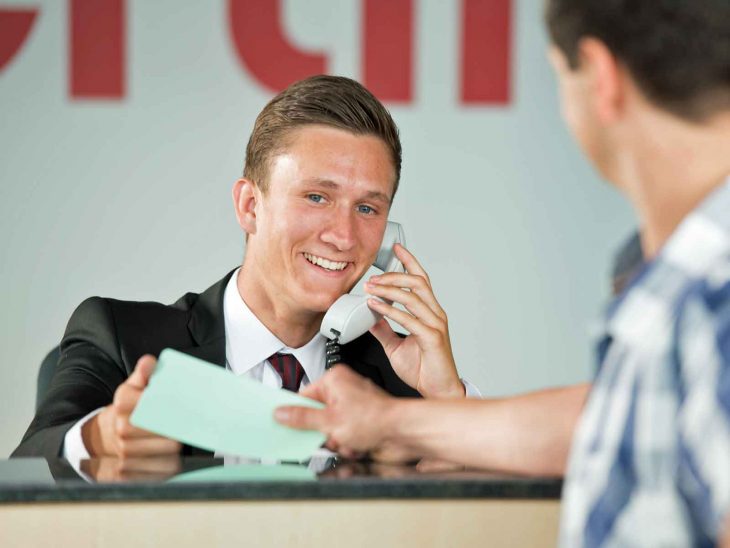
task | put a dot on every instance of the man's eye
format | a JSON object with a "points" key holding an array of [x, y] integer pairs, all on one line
{"points": [[365, 209], [316, 198]]}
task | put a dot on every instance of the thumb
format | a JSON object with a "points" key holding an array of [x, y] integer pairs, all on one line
{"points": [[386, 336], [301, 418], [142, 371]]}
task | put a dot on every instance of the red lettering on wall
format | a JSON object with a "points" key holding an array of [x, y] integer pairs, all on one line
{"points": [[486, 51], [15, 25], [262, 48], [97, 49], [388, 49]]}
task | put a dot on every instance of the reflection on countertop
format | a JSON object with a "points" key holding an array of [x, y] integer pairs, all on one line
{"points": [[232, 478]]}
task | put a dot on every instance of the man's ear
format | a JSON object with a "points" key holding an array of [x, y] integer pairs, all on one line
{"points": [[246, 196], [607, 79]]}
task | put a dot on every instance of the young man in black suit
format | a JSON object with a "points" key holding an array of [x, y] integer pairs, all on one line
{"points": [[322, 167]]}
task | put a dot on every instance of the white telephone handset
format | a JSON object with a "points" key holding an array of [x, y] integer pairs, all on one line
{"points": [[349, 317]]}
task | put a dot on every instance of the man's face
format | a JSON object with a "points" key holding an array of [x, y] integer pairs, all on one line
{"points": [[320, 223], [579, 103]]}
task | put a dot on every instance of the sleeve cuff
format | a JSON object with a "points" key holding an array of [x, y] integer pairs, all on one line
{"points": [[74, 449], [471, 390]]}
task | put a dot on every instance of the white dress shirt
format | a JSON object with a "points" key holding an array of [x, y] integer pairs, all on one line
{"points": [[249, 344]]}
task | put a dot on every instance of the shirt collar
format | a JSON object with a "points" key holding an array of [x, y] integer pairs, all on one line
{"points": [[249, 342], [695, 245]]}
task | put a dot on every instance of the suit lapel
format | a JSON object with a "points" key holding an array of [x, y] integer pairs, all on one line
{"points": [[207, 326], [208, 330]]}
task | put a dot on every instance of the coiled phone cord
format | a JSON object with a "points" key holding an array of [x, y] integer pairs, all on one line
{"points": [[332, 351]]}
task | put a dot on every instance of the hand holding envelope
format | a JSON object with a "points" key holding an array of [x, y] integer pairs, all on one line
{"points": [[201, 404]]}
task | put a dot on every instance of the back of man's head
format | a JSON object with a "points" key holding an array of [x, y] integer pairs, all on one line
{"points": [[333, 101], [678, 51]]}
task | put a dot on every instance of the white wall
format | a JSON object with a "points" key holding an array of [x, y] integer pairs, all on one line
{"points": [[130, 198]]}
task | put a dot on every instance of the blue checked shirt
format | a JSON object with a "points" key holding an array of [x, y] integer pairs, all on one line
{"points": [[650, 462]]}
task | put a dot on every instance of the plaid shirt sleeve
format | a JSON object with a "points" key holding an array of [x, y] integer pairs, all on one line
{"points": [[702, 354]]}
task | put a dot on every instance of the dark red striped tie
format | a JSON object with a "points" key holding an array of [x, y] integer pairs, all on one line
{"points": [[289, 369]]}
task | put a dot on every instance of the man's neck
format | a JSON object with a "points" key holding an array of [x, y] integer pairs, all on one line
{"points": [[667, 167], [292, 327]]}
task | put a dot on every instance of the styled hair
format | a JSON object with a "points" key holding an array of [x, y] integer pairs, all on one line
{"points": [[333, 101], [678, 51]]}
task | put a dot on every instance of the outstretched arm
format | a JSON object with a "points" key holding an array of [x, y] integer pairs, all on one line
{"points": [[527, 434]]}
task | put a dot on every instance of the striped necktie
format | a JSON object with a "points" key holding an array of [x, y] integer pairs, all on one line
{"points": [[289, 369]]}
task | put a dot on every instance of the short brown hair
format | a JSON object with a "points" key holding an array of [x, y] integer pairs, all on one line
{"points": [[678, 51], [333, 101]]}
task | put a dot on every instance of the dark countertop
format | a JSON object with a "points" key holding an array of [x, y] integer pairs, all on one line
{"points": [[188, 479]]}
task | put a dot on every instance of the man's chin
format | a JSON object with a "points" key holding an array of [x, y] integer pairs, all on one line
{"points": [[320, 299], [320, 304]]}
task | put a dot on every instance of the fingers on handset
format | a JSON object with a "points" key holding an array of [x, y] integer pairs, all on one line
{"points": [[415, 285], [388, 338], [410, 262], [409, 321], [382, 330], [412, 304]]}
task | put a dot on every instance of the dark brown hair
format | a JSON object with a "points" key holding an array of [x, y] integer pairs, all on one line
{"points": [[333, 101], [678, 51]]}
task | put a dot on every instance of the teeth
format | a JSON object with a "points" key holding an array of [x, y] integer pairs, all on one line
{"points": [[324, 263]]}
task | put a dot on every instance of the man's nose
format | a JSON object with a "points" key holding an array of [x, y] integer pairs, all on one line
{"points": [[340, 231]]}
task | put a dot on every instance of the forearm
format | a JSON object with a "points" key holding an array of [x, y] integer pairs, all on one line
{"points": [[528, 434]]}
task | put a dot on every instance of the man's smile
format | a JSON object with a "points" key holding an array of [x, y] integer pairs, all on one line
{"points": [[326, 264]]}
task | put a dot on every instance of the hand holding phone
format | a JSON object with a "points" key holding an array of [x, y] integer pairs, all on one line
{"points": [[424, 359], [350, 316]]}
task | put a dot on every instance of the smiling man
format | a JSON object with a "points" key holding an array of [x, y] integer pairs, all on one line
{"points": [[322, 167]]}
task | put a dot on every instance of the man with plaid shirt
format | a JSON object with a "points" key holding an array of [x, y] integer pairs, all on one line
{"points": [[645, 89], [654, 439]]}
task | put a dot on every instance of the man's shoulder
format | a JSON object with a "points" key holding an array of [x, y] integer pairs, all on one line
{"points": [[126, 329], [707, 294], [715, 285], [105, 310], [702, 334]]}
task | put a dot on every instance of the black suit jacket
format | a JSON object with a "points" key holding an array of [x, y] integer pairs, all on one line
{"points": [[105, 338]]}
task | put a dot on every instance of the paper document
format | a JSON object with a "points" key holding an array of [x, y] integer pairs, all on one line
{"points": [[201, 404]]}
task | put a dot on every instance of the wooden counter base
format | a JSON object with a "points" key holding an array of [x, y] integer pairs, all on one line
{"points": [[311, 523]]}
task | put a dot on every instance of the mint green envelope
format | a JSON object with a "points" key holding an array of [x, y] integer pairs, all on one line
{"points": [[201, 404]]}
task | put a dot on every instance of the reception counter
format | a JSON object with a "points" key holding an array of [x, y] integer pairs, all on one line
{"points": [[217, 502]]}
